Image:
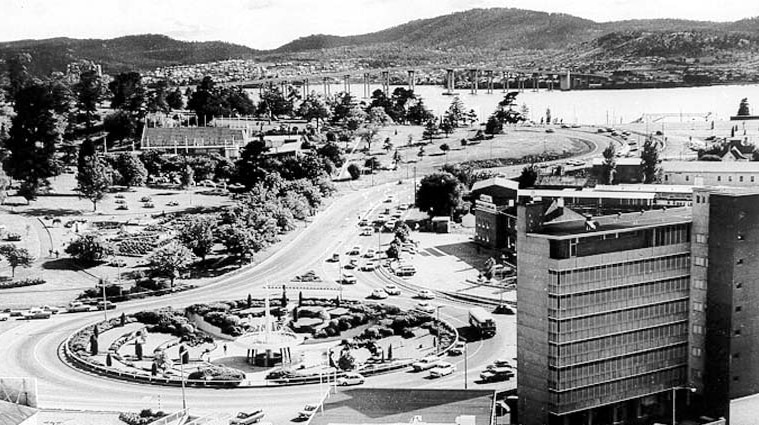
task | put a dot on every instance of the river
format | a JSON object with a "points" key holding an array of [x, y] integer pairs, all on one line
{"points": [[602, 107]]}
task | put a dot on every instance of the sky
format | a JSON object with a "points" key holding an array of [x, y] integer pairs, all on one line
{"points": [[267, 24]]}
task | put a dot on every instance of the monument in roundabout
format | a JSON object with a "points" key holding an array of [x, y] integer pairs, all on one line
{"points": [[270, 343]]}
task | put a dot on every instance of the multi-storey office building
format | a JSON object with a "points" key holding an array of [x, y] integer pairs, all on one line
{"points": [[617, 313], [603, 315]]}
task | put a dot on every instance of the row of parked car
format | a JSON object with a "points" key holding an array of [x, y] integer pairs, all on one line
{"points": [[46, 311]]}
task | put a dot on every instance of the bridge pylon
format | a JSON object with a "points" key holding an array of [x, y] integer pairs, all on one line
{"points": [[474, 79], [411, 79]]}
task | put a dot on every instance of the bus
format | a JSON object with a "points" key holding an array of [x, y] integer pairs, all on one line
{"points": [[482, 322]]}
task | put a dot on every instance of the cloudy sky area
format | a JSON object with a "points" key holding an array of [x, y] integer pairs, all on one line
{"points": [[266, 24]]}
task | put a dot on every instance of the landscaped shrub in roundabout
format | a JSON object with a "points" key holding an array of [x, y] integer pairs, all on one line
{"points": [[365, 335]]}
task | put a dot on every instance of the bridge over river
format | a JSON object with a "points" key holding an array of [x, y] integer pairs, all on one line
{"points": [[470, 78]]}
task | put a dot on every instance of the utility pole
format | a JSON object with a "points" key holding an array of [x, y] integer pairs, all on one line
{"points": [[466, 355], [414, 185]]}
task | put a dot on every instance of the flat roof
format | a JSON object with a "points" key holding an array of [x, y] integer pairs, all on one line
{"points": [[656, 188], [710, 167], [400, 405], [629, 161], [614, 223], [584, 194]]}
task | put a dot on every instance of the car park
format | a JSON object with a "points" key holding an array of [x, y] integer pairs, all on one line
{"points": [[425, 307], [392, 289], [350, 378], [425, 294], [378, 294], [442, 369], [426, 363]]}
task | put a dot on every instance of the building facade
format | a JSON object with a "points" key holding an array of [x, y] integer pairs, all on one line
{"points": [[602, 329]]}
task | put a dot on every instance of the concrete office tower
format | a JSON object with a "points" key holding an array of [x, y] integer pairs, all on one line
{"points": [[725, 317], [602, 325]]}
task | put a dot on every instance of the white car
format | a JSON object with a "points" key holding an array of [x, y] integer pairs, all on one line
{"points": [[4, 317], [349, 279], [369, 266], [307, 411], [426, 363], [425, 307], [425, 294], [369, 254], [350, 379], [35, 313], [378, 294], [443, 369], [392, 289]]}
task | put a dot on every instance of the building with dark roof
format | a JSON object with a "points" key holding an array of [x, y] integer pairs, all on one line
{"points": [[403, 405]]}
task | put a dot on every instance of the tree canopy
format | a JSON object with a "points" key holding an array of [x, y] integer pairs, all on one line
{"points": [[440, 194]]}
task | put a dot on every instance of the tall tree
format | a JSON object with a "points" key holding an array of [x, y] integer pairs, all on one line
{"points": [[89, 248], [529, 176], [129, 93], [439, 194], [456, 112], [32, 140], [18, 73], [16, 257], [170, 261], [198, 235], [93, 180], [649, 162], [174, 99], [313, 107], [609, 165], [131, 170], [89, 92]]}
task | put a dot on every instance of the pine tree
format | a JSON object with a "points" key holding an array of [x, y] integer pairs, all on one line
{"points": [[93, 180], [649, 162]]}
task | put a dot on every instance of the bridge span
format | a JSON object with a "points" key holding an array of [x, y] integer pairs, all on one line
{"points": [[474, 79]]}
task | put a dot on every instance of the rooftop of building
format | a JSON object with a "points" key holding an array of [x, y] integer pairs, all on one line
{"points": [[655, 188], [734, 191], [587, 193], [499, 181], [401, 405], [710, 167], [619, 222]]}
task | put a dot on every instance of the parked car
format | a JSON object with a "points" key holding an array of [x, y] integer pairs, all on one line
{"points": [[350, 379], [499, 363], [334, 258], [369, 253], [4, 317], [369, 266], [367, 232], [442, 369], [78, 307], [425, 294], [51, 309], [107, 305], [425, 363], [243, 418], [392, 289], [35, 313], [356, 250], [504, 309], [425, 307], [378, 294], [307, 411], [348, 279], [352, 264], [363, 222]]}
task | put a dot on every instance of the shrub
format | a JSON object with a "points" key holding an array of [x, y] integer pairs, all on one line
{"points": [[21, 283], [218, 374], [354, 171]]}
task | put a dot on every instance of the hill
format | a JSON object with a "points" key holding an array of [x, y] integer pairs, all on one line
{"points": [[128, 53]]}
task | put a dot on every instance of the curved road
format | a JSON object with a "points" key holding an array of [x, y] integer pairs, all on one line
{"points": [[30, 348]]}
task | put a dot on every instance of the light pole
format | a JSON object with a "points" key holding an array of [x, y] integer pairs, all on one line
{"points": [[466, 355], [674, 401], [437, 328], [181, 371]]}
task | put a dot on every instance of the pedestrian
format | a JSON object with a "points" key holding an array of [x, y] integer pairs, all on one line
{"points": [[225, 349], [50, 252], [57, 253]]}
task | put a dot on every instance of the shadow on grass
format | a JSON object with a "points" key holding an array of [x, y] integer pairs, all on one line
{"points": [[213, 267], [67, 264], [41, 212]]}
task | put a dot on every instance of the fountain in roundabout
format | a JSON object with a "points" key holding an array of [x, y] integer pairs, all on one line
{"points": [[270, 343]]}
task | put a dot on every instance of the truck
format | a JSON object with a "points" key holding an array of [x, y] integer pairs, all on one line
{"points": [[482, 322]]}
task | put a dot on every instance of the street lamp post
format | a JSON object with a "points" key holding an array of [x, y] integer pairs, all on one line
{"points": [[181, 371], [674, 401], [437, 327], [466, 355]]}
